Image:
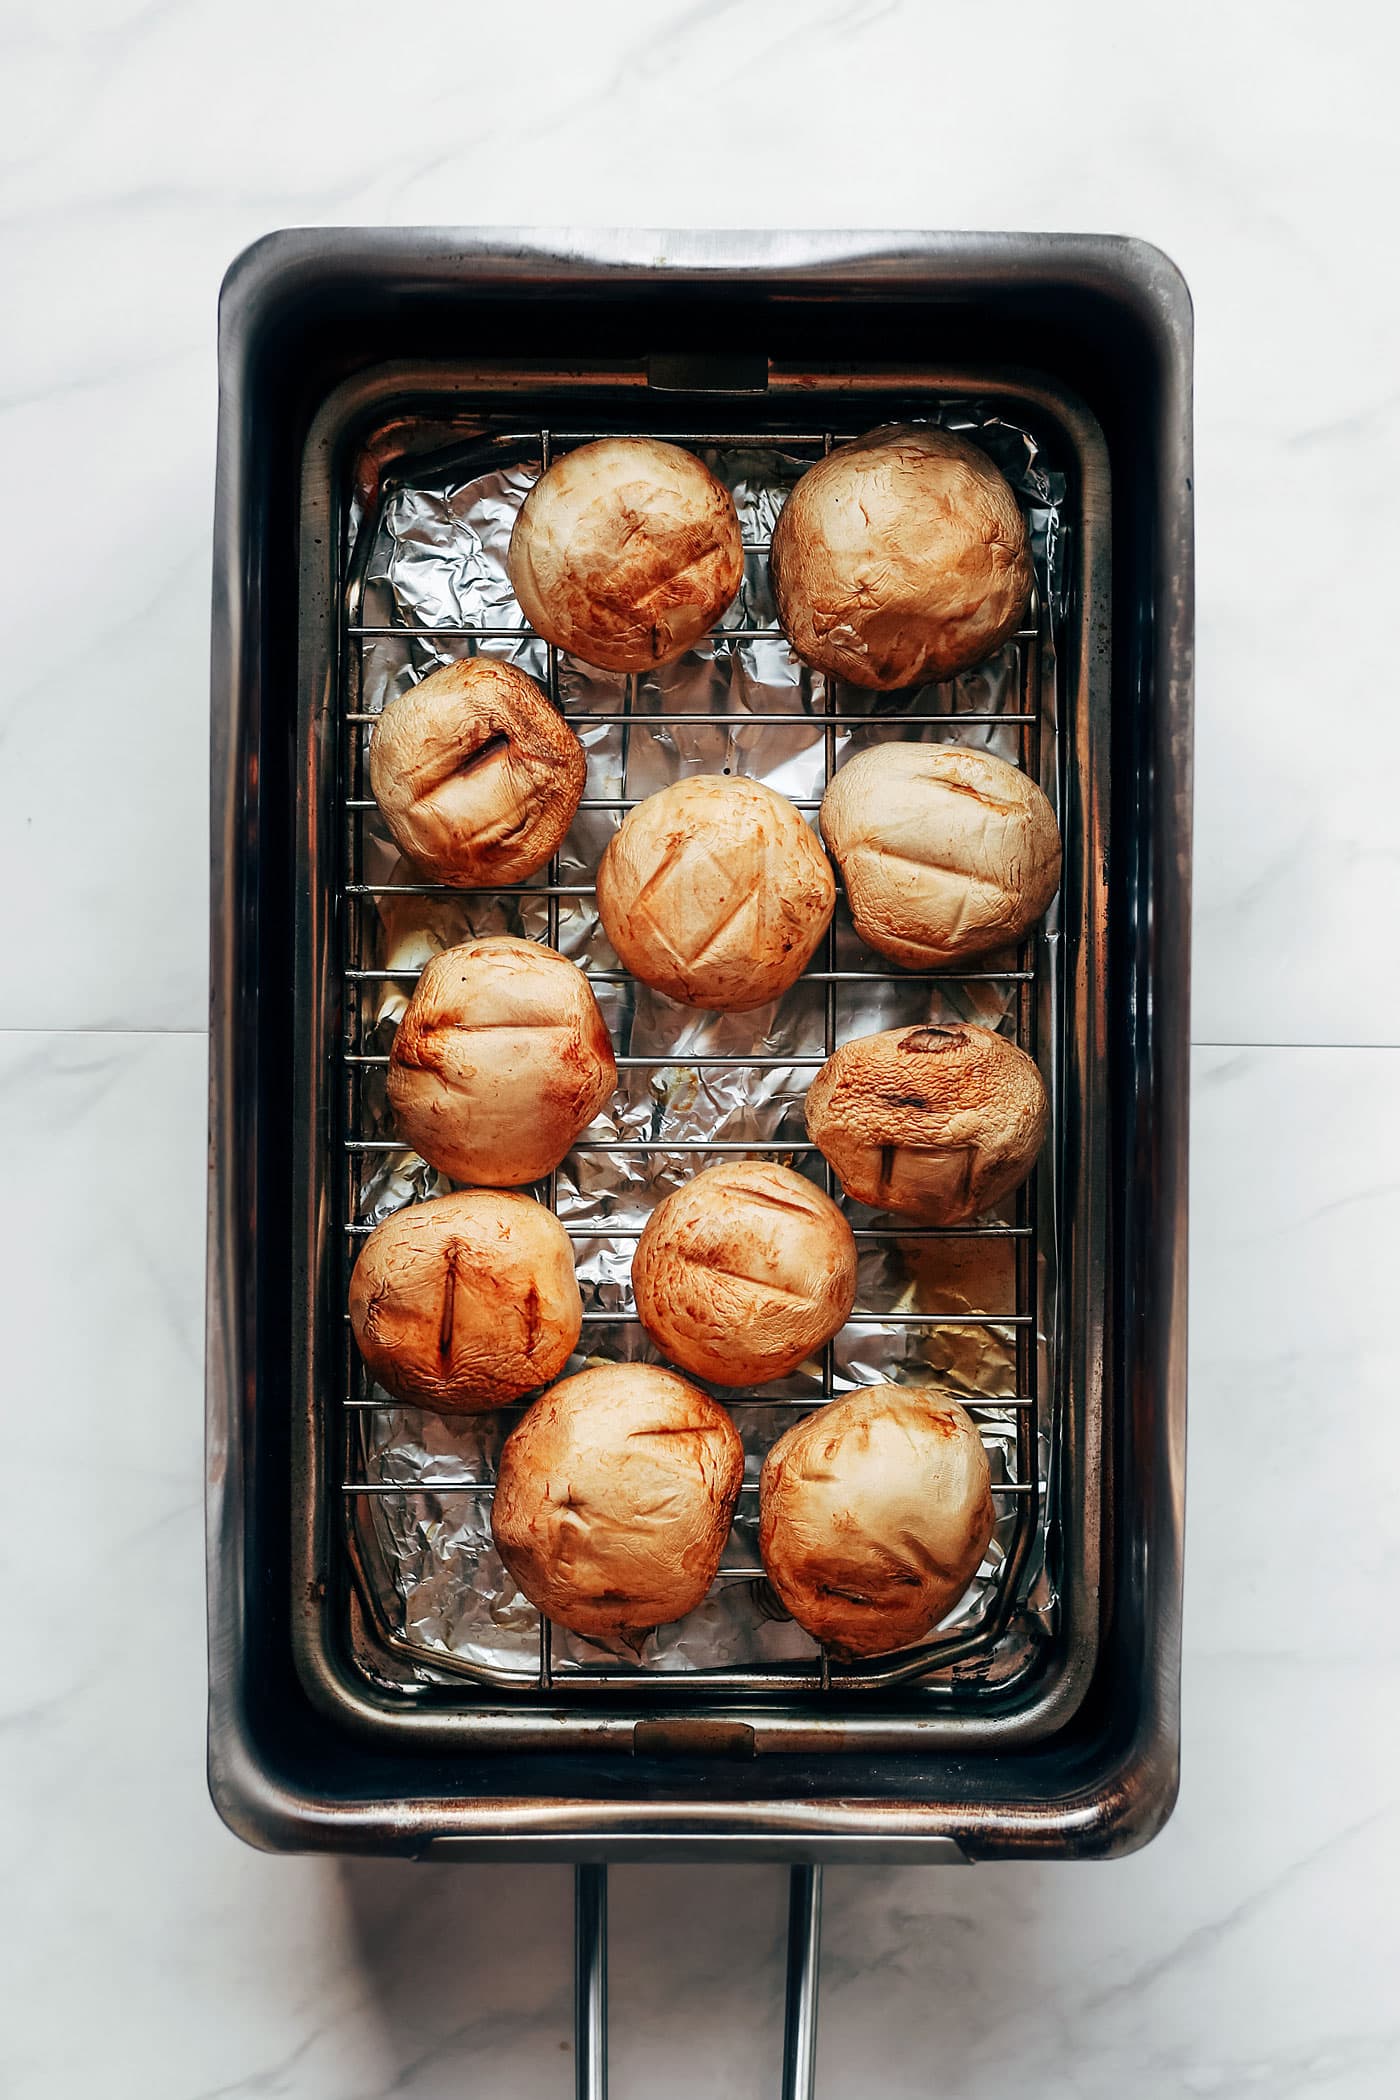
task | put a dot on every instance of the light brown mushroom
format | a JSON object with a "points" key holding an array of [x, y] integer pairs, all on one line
{"points": [[625, 552], [477, 776], [946, 852], [716, 892], [467, 1301], [874, 1515], [935, 1122], [500, 1061], [614, 1498], [899, 558], [745, 1271]]}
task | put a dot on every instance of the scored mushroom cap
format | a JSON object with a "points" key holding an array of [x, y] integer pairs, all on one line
{"points": [[900, 557], [614, 1498], [625, 552], [716, 892], [467, 1301], [874, 1515], [935, 1122], [476, 775], [500, 1061], [744, 1272], [946, 852]]}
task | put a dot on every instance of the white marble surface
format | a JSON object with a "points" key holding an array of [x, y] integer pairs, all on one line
{"points": [[1253, 1949]]}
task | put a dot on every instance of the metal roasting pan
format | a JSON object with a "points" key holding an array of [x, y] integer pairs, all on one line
{"points": [[331, 339]]}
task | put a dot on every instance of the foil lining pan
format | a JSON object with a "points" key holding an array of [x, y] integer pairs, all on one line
{"points": [[430, 552]]}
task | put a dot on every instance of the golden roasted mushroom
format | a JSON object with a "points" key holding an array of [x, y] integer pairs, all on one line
{"points": [[614, 1498], [477, 776], [745, 1271], [874, 1515], [625, 552], [500, 1061], [935, 1122], [716, 892], [466, 1302], [946, 852], [899, 558]]}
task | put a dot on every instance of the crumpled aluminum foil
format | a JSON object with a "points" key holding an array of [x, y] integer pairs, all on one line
{"points": [[435, 556]]}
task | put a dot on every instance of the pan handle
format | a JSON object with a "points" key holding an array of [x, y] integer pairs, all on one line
{"points": [[591, 1983], [803, 1982]]}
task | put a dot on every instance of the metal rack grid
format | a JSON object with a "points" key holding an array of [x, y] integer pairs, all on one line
{"points": [[1026, 1491]]}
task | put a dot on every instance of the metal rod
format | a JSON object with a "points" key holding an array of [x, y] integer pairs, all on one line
{"points": [[874, 976], [860, 1318], [369, 1404], [624, 1316], [658, 720], [924, 720], [804, 1953], [606, 1229], [488, 1487], [590, 1983], [683, 1059]]}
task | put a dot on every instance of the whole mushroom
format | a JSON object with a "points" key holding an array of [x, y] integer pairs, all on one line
{"points": [[625, 552], [614, 1498], [467, 1301], [500, 1061], [716, 892], [935, 1122], [874, 1515], [945, 852], [745, 1271], [899, 558], [476, 775]]}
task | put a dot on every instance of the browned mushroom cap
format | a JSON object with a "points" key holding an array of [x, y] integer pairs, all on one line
{"points": [[716, 892], [477, 776], [933, 1122], [945, 851], [742, 1273], [614, 1498], [899, 558], [501, 1060], [874, 1515], [467, 1301], [625, 552]]}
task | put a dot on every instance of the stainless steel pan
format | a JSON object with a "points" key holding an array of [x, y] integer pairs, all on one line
{"points": [[329, 340]]}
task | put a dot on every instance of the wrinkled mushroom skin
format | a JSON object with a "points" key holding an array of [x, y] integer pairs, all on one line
{"points": [[935, 1123], [743, 1273], [625, 552], [466, 1302], [946, 852], [716, 892], [500, 1061], [614, 1498], [874, 1515], [900, 558], [476, 775]]}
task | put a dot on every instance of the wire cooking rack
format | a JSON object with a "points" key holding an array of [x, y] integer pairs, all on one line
{"points": [[818, 705]]}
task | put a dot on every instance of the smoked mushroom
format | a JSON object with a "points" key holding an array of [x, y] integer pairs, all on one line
{"points": [[936, 1122], [945, 852], [614, 1498], [900, 558], [874, 1515], [716, 892], [476, 775], [625, 552], [500, 1061], [745, 1271], [467, 1301]]}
